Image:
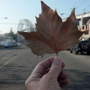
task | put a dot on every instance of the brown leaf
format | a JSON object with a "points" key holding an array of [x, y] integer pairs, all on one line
{"points": [[38, 44], [52, 34]]}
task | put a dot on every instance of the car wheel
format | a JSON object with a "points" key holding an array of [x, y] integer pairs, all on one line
{"points": [[88, 53], [71, 51], [81, 52], [76, 52]]}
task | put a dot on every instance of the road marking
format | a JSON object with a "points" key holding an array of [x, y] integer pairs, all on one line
{"points": [[8, 61], [5, 58], [12, 59]]}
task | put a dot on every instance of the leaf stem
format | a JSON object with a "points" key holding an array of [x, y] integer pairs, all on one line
{"points": [[56, 50], [57, 54]]}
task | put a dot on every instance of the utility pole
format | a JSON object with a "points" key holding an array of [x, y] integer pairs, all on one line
{"points": [[18, 37]]}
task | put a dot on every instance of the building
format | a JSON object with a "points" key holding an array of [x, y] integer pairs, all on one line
{"points": [[83, 23], [88, 26], [82, 19]]}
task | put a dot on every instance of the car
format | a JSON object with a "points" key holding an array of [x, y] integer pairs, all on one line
{"points": [[83, 46], [9, 45], [19, 44], [15, 44], [74, 49]]}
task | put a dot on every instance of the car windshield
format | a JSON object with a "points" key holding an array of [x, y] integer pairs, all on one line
{"points": [[33, 30]]}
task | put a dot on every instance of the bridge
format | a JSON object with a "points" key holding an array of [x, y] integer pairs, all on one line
{"points": [[25, 25]]}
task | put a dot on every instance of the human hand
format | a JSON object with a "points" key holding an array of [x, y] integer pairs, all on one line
{"points": [[48, 75]]}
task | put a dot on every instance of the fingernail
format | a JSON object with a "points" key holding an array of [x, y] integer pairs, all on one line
{"points": [[56, 61]]}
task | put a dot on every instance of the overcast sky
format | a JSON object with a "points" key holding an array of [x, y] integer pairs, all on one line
{"points": [[15, 10]]}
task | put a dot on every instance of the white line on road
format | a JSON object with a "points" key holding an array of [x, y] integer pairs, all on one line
{"points": [[7, 62], [12, 59]]}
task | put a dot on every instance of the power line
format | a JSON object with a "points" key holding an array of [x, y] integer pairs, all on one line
{"points": [[84, 9], [81, 4], [87, 6], [10, 23], [76, 3]]}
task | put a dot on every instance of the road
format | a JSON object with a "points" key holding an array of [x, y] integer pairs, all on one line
{"points": [[17, 64]]}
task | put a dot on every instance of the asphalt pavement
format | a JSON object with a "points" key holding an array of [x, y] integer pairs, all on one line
{"points": [[16, 65]]}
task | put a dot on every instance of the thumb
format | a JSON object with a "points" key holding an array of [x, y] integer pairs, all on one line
{"points": [[56, 67]]}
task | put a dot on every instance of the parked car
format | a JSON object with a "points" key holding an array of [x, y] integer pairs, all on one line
{"points": [[83, 46], [8, 45], [74, 49], [15, 44], [19, 44]]}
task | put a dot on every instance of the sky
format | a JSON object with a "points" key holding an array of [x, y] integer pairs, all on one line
{"points": [[15, 10]]}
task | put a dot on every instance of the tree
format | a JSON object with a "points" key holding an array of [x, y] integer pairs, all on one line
{"points": [[12, 34]]}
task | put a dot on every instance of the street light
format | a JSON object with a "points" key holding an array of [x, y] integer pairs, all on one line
{"points": [[3, 18], [1, 35], [64, 14], [64, 18]]}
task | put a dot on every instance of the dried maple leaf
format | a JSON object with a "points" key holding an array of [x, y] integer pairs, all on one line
{"points": [[52, 34]]}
